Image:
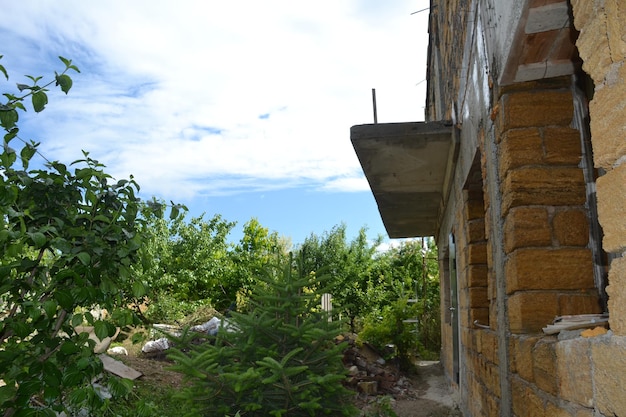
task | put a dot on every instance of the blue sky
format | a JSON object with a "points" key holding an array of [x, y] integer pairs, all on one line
{"points": [[241, 108]]}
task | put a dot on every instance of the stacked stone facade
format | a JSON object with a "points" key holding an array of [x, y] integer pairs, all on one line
{"points": [[521, 215]]}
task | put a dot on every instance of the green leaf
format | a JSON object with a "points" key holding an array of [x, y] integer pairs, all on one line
{"points": [[21, 330], [77, 319], [40, 99], [51, 374], [101, 329], [4, 71], [28, 388], [23, 87], [7, 392], [12, 134], [139, 290], [84, 258], [50, 307], [120, 387], [174, 212], [73, 377], [34, 79], [8, 118], [65, 299], [65, 82], [38, 238], [26, 154], [66, 61], [69, 347], [51, 393]]}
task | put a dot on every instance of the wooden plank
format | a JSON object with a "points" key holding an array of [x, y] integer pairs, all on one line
{"points": [[118, 368]]}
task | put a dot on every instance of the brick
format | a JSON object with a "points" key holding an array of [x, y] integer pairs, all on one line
{"points": [[478, 297], [579, 302], [571, 228], [574, 371], [487, 373], [524, 400], [612, 208], [607, 127], [526, 227], [617, 296], [522, 347], [534, 146], [562, 146], [480, 314], [520, 147], [544, 365], [474, 207], [477, 253], [530, 311], [536, 108], [551, 186], [477, 275], [609, 360], [476, 230], [489, 345], [549, 269]]}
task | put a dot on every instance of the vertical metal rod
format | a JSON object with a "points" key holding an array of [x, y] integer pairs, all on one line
{"points": [[374, 103]]}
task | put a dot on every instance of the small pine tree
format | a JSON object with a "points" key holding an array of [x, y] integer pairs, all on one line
{"points": [[281, 360]]}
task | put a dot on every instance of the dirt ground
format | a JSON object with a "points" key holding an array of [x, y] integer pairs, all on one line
{"points": [[430, 394]]}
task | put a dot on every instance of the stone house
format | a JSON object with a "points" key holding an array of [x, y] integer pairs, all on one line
{"points": [[519, 172]]}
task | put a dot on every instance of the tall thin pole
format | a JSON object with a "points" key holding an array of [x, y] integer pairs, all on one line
{"points": [[374, 103]]}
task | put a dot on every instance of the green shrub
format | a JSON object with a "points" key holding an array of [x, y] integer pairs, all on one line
{"points": [[167, 309], [280, 361], [389, 328]]}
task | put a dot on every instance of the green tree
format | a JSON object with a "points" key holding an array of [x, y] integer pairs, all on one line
{"points": [[256, 249], [277, 360], [406, 287], [68, 239], [186, 263], [349, 265]]}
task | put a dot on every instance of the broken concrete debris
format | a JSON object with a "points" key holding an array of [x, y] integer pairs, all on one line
{"points": [[370, 374], [118, 368]]}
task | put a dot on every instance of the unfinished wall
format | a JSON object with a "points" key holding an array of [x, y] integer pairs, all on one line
{"points": [[542, 218], [602, 46], [548, 267]]}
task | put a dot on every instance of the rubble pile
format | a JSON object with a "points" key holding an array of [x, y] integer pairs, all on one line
{"points": [[370, 374]]}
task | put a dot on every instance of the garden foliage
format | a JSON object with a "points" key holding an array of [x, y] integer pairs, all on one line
{"points": [[68, 238], [280, 359]]}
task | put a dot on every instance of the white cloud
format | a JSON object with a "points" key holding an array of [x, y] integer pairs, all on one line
{"points": [[207, 97]]}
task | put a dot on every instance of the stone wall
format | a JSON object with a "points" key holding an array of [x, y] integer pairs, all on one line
{"points": [[548, 267], [602, 47], [543, 266]]}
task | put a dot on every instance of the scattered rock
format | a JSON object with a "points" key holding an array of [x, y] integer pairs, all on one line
{"points": [[370, 373], [118, 350], [368, 387]]}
